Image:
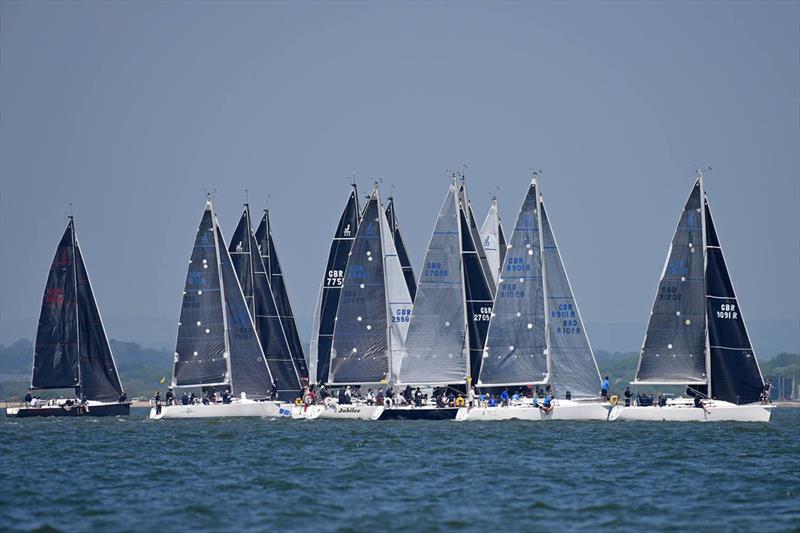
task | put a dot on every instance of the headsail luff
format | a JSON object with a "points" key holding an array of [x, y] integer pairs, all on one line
{"points": [[330, 290], [269, 254], [436, 349], [399, 244], [491, 234], [367, 333], [71, 347], [250, 270]]}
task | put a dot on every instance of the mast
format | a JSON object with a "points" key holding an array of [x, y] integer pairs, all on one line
{"points": [[705, 281], [544, 275], [225, 325], [77, 310], [466, 345], [252, 305]]}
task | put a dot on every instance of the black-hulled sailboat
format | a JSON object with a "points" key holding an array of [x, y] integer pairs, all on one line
{"points": [[536, 335], [696, 336], [218, 348], [72, 349], [400, 246], [451, 311], [324, 321]]}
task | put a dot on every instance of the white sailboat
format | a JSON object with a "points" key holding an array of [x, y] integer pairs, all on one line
{"points": [[217, 346], [536, 335], [696, 336]]}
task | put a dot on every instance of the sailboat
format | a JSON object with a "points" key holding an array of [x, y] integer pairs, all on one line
{"points": [[696, 336], [319, 357], [258, 293], [372, 316], [451, 311], [536, 336], [217, 346], [269, 254], [72, 349], [494, 240], [400, 246]]}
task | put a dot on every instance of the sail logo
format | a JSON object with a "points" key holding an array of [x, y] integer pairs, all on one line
{"points": [[346, 231], [54, 296], [239, 247], [677, 267], [63, 258]]}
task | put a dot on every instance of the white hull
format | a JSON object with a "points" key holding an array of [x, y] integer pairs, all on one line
{"points": [[562, 410], [352, 412], [714, 411], [241, 408]]}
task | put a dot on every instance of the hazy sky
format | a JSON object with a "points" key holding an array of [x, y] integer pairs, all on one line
{"points": [[130, 109]]}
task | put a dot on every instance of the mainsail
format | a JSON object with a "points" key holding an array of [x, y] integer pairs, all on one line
{"points": [[374, 307], [330, 290], [399, 244], [269, 254], [217, 343], [516, 349], [696, 334], [493, 239], [72, 348], [258, 293]]}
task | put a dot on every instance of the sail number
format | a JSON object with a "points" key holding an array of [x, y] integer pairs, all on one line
{"points": [[402, 315], [510, 290], [334, 278], [484, 316], [517, 264], [669, 294], [435, 270], [728, 311]]}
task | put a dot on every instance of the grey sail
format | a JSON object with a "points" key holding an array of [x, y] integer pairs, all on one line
{"points": [[735, 375], [674, 346], [501, 237], [250, 270], [361, 352], [436, 350], [71, 347], [400, 246], [491, 234], [330, 290], [201, 339], [269, 255], [572, 364], [515, 351]]}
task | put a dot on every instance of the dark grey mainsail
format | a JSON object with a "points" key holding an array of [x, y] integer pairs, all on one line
{"points": [[330, 290], [696, 334], [217, 343], [573, 367], [516, 347], [71, 347], [399, 244], [269, 255], [735, 375], [675, 342], [250, 270]]}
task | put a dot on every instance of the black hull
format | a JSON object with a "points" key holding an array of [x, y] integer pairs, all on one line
{"points": [[111, 409], [405, 413]]}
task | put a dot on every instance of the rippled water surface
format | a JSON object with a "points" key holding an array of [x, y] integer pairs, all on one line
{"points": [[132, 474]]}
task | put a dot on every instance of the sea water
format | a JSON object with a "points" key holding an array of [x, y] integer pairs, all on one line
{"points": [[133, 474]]}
